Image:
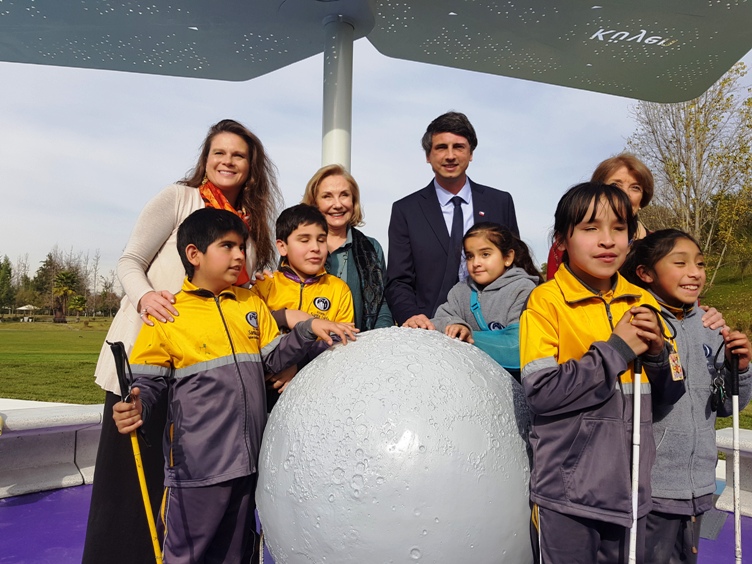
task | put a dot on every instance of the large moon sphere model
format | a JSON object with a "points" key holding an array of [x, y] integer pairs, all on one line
{"points": [[404, 446]]}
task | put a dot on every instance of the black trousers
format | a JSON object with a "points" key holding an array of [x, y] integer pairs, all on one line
{"points": [[672, 539], [566, 539], [211, 524], [117, 530]]}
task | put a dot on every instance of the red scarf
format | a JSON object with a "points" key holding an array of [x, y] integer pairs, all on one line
{"points": [[214, 198]]}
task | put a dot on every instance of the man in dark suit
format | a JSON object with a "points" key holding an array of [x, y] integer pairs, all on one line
{"points": [[426, 227]]}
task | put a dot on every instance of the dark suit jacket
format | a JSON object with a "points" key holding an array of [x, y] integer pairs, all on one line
{"points": [[419, 243]]}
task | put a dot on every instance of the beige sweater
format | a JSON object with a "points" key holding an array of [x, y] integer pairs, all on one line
{"points": [[149, 262]]}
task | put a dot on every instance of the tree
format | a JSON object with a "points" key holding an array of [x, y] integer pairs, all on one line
{"points": [[109, 299], [25, 295], [91, 301], [55, 262], [44, 279], [77, 304], [64, 288], [699, 152], [21, 272], [7, 291]]}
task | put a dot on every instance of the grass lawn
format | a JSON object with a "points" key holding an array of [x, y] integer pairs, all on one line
{"points": [[732, 295], [51, 362], [745, 419]]}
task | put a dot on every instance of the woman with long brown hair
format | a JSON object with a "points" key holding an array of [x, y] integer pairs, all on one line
{"points": [[233, 173]]}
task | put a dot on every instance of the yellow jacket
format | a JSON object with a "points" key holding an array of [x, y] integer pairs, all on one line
{"points": [[577, 376], [211, 362], [324, 296]]}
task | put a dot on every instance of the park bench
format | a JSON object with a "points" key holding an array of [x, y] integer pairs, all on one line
{"points": [[46, 448]]}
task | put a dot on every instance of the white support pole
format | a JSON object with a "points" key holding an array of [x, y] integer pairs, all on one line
{"points": [[338, 71]]}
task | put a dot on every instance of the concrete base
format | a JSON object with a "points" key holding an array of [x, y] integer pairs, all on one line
{"points": [[724, 441], [44, 448]]}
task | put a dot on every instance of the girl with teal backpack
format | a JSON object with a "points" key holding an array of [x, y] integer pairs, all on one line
{"points": [[485, 309]]}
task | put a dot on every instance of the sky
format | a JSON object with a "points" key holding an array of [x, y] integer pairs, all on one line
{"points": [[82, 151]]}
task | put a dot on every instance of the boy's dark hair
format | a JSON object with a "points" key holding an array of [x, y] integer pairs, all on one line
{"points": [[205, 226], [302, 214], [574, 205], [648, 251], [504, 240], [450, 122]]}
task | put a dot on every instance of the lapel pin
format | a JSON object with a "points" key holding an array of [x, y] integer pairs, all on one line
{"points": [[481, 213]]}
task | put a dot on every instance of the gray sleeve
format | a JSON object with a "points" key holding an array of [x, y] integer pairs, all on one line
{"points": [[288, 349], [558, 389], [450, 312], [745, 388], [152, 384], [384, 319]]}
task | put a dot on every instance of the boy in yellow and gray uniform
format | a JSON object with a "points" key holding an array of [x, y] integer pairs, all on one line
{"points": [[301, 282], [301, 286], [211, 362]]}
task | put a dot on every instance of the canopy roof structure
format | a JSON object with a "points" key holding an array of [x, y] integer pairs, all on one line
{"points": [[656, 50]]}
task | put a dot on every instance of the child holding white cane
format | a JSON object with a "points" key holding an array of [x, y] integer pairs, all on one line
{"points": [[669, 263], [579, 336]]}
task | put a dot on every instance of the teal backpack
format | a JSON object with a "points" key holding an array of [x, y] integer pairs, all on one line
{"points": [[502, 345]]}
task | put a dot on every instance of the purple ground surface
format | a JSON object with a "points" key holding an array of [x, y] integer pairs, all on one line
{"points": [[49, 527]]}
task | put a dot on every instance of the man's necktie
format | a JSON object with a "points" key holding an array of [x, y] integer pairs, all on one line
{"points": [[455, 236]]}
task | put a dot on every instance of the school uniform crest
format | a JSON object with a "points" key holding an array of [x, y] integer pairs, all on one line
{"points": [[322, 303], [252, 318]]}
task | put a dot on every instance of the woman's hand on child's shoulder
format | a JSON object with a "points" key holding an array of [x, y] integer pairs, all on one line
{"points": [[459, 331], [712, 318], [157, 304], [258, 276], [127, 416], [737, 343]]}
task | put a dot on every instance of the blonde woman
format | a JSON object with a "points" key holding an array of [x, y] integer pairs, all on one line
{"points": [[353, 257]]}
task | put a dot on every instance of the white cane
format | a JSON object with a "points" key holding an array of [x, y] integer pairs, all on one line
{"points": [[636, 384], [735, 429]]}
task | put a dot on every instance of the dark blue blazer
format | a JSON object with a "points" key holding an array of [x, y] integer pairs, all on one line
{"points": [[419, 243]]}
